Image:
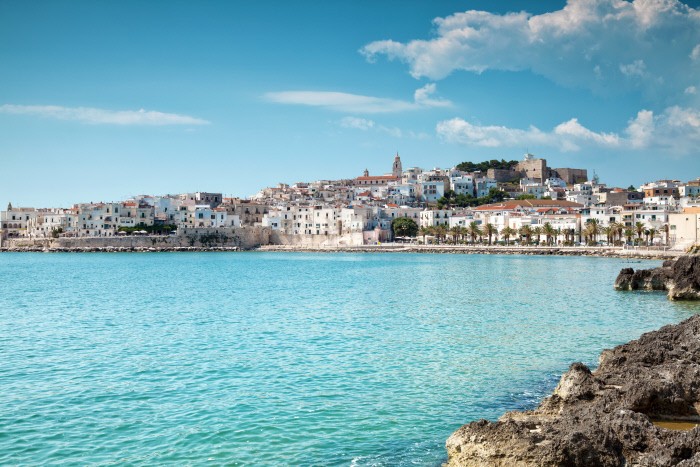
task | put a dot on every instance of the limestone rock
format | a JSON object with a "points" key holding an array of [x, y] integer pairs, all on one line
{"points": [[681, 278], [603, 418]]}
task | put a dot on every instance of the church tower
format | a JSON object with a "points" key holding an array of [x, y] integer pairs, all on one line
{"points": [[396, 169]]}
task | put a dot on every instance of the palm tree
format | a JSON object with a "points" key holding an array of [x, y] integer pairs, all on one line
{"points": [[508, 232], [607, 231], [652, 233], [455, 233], [440, 232], [593, 227], [548, 232], [474, 230], [423, 231], [665, 230], [629, 233], [617, 230], [557, 234], [567, 232], [537, 231], [490, 231], [464, 231], [526, 231], [639, 228]]}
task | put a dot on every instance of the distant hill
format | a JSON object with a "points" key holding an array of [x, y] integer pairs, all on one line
{"points": [[486, 165]]}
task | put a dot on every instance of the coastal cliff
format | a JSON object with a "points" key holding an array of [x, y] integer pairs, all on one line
{"points": [[680, 278], [603, 418]]}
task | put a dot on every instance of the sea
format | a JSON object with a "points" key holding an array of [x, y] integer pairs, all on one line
{"points": [[310, 359]]}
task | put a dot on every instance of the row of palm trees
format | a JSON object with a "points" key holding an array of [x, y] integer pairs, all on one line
{"points": [[616, 231], [488, 233]]}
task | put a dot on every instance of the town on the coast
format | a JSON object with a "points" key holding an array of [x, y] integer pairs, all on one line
{"points": [[495, 202]]}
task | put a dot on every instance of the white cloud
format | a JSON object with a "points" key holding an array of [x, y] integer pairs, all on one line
{"points": [[691, 90], [357, 103], [364, 124], [636, 68], [640, 129], [357, 123], [422, 97], [596, 44], [102, 116], [676, 130], [695, 54]]}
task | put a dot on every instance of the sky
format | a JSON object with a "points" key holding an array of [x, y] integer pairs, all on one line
{"points": [[103, 100]]}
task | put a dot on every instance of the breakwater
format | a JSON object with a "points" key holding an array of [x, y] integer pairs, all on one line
{"points": [[611, 252], [253, 240]]}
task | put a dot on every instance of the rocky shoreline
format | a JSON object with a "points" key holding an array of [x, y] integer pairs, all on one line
{"points": [[680, 278], [611, 416], [606, 417], [610, 252]]}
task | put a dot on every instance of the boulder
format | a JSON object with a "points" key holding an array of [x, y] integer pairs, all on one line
{"points": [[680, 278]]}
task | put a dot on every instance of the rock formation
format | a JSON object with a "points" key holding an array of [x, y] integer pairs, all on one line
{"points": [[681, 278], [603, 418]]}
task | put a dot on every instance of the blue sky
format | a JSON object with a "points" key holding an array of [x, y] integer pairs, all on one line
{"points": [[102, 100]]}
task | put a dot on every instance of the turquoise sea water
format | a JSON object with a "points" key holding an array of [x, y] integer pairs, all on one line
{"points": [[290, 358]]}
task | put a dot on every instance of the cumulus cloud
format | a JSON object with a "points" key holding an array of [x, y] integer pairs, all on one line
{"points": [[102, 116], [357, 103], [595, 44], [676, 130]]}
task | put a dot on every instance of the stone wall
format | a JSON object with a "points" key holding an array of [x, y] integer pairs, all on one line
{"points": [[350, 239], [244, 237]]}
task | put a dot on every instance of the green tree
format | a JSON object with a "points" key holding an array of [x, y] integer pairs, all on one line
{"points": [[455, 233], [440, 232], [639, 228], [486, 165], [423, 231], [548, 232], [593, 229], [526, 232], [404, 227], [652, 234], [474, 231], [508, 232], [490, 230], [537, 232]]}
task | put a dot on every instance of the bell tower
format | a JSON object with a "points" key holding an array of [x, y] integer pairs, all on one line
{"points": [[396, 169]]}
